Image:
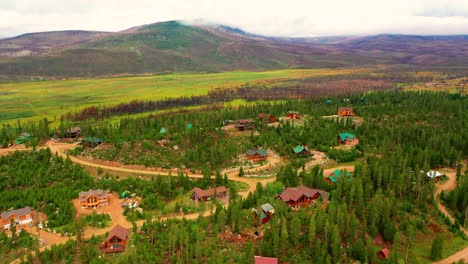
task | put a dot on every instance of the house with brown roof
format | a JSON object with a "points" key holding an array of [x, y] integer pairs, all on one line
{"points": [[345, 111], [22, 216], [302, 196], [293, 115], [256, 155], [94, 198], [268, 118], [74, 132], [116, 241], [206, 195], [245, 124], [383, 254], [265, 260]]}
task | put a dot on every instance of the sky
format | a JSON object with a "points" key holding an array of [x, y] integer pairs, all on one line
{"points": [[291, 18]]}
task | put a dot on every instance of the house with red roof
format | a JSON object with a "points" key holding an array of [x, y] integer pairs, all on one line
{"points": [[302, 196], [265, 260], [116, 241], [383, 254], [206, 195]]}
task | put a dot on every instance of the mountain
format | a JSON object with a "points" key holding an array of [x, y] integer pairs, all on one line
{"points": [[175, 46]]}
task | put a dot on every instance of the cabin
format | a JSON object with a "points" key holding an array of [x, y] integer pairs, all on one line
{"points": [[116, 241], [94, 198], [256, 155], [91, 142], [265, 260], [23, 138], [266, 118], [74, 132], [345, 111], [23, 216], [206, 195], [383, 254], [302, 196], [338, 174], [328, 101], [245, 124], [267, 211], [434, 175], [162, 131], [347, 139], [301, 150], [293, 115]]}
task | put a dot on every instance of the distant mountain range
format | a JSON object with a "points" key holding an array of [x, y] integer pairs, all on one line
{"points": [[174, 46]]}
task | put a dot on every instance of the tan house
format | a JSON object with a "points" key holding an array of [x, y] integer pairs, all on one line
{"points": [[23, 216], [94, 198]]}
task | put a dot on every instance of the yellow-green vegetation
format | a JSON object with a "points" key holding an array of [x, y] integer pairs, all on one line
{"points": [[458, 85], [34, 100]]}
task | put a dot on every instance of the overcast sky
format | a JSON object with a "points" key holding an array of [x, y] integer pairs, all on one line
{"points": [[267, 17]]}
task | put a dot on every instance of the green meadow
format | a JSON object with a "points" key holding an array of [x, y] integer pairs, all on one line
{"points": [[51, 99]]}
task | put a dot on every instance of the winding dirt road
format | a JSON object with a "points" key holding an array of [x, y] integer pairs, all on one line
{"points": [[448, 186]]}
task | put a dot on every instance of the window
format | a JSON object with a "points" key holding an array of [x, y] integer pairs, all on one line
{"points": [[28, 216]]}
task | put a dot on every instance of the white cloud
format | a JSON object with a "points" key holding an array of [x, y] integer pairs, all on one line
{"points": [[269, 17]]}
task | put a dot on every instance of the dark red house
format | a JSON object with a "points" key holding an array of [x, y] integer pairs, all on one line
{"points": [[116, 241], [302, 196], [383, 254], [267, 211], [206, 195], [256, 155]]}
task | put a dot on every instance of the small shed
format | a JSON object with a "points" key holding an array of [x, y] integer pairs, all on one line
{"points": [[162, 130], [301, 150]]}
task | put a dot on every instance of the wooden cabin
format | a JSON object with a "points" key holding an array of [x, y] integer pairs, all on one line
{"points": [[347, 139], [206, 195], [266, 118], [116, 241], [293, 115], [383, 254], [73, 132], [301, 150], [267, 211], [245, 124], [345, 111], [301, 196], [23, 216], [94, 198], [256, 155], [265, 260]]}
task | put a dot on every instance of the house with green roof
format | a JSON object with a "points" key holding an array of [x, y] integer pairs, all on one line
{"points": [[23, 138], [266, 212], [91, 141], [301, 150], [162, 130], [256, 155], [338, 174], [347, 139]]}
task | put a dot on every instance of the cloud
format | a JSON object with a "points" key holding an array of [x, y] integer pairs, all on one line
{"points": [[268, 17]]}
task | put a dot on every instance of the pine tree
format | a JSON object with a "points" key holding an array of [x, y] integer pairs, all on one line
{"points": [[437, 247]]}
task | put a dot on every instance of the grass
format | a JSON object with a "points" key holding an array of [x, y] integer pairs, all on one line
{"points": [[51, 99]]}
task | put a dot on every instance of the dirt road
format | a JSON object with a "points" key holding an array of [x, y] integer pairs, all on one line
{"points": [[448, 186]]}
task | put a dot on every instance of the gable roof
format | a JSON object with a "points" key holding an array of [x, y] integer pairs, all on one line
{"points": [[18, 212], [118, 231], [265, 260], [98, 193], [299, 149], [210, 192], [267, 207], [292, 112], [93, 140], [74, 130], [337, 175], [162, 131], [345, 135], [293, 194], [260, 152], [385, 252]]}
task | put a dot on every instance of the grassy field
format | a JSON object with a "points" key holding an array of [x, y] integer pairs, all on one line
{"points": [[33, 100]]}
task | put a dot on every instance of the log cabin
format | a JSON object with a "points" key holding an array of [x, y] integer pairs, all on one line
{"points": [[256, 155], [206, 195], [345, 111], [22, 216], [347, 139], [245, 124], [116, 241], [94, 198], [302, 196]]}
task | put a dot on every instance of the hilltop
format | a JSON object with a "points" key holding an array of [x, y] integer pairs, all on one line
{"points": [[175, 46]]}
